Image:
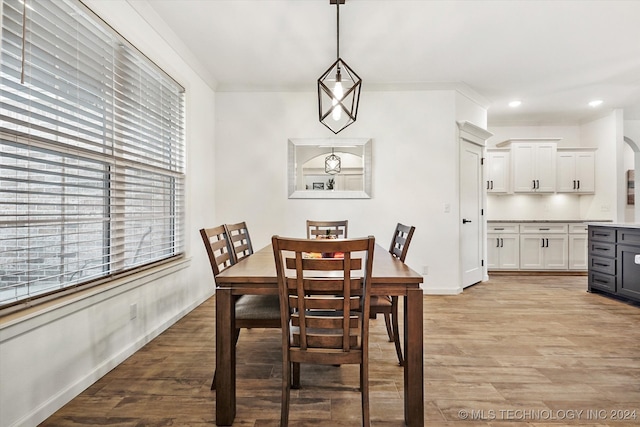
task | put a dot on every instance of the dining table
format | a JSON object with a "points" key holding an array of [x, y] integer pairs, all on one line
{"points": [[256, 274]]}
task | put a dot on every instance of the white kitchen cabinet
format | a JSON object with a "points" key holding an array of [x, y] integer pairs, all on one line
{"points": [[497, 171], [575, 171], [578, 249], [543, 252], [533, 167], [544, 246], [537, 246], [503, 247]]}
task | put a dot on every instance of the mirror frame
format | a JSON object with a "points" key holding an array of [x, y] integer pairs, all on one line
{"points": [[328, 142]]}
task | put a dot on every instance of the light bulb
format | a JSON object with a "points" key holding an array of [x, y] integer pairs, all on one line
{"points": [[338, 93]]}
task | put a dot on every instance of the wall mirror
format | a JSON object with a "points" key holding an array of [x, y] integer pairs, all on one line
{"points": [[309, 168]]}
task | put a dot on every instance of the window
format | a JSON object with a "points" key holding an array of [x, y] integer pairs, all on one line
{"points": [[91, 153]]}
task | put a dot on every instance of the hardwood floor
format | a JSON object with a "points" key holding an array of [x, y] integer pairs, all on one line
{"points": [[516, 350]]}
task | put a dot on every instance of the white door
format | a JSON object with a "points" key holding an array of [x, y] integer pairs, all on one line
{"points": [[471, 227]]}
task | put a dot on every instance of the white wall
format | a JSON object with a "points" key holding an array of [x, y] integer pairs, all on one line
{"points": [[414, 170], [602, 134], [50, 355]]}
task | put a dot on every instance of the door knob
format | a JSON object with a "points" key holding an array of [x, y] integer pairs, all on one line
{"points": [[464, 221]]}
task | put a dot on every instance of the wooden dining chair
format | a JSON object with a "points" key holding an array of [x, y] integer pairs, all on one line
{"points": [[334, 229], [252, 311], [388, 305], [324, 309]]}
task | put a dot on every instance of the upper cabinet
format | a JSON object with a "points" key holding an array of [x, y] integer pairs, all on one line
{"points": [[537, 165], [533, 164], [576, 171], [497, 170]]}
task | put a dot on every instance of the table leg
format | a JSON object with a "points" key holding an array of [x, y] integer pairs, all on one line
{"points": [[414, 359], [225, 358]]}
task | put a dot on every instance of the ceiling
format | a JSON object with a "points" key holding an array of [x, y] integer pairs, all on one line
{"points": [[554, 56]]}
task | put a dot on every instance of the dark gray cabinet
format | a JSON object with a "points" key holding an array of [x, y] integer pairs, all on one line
{"points": [[614, 261]]}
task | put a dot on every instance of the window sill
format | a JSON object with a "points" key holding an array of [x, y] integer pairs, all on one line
{"points": [[21, 321]]}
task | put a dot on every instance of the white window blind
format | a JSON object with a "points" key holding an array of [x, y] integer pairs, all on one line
{"points": [[91, 152]]}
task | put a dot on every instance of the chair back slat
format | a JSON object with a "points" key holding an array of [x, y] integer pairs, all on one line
{"points": [[330, 229]]}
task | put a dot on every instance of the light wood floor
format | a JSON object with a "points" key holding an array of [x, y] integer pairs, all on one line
{"points": [[517, 350]]}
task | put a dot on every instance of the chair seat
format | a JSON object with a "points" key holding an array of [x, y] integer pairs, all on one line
{"points": [[381, 301], [258, 307]]}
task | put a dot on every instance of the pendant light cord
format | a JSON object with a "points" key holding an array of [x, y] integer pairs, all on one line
{"points": [[338, 29]]}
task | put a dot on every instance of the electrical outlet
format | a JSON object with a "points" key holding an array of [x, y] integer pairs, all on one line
{"points": [[425, 270], [447, 207], [133, 311]]}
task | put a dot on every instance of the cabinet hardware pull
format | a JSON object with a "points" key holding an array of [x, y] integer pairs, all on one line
{"points": [[499, 228], [601, 234], [488, 185], [547, 242], [537, 184], [600, 281], [544, 229], [574, 184], [497, 242], [464, 220], [534, 184], [601, 264], [492, 184], [501, 242], [597, 248], [578, 184], [542, 243]]}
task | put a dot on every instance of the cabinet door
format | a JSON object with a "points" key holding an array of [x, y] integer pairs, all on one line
{"points": [[509, 252], [555, 252], [545, 168], [578, 253], [628, 272], [531, 252], [523, 171], [585, 172], [497, 172], [493, 251], [566, 173]]}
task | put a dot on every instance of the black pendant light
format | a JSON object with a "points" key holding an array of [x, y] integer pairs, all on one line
{"points": [[338, 89], [332, 164]]}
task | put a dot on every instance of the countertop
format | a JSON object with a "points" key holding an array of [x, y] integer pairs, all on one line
{"points": [[615, 224], [570, 221]]}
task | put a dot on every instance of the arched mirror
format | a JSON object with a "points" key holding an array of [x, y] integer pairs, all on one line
{"points": [[329, 168]]}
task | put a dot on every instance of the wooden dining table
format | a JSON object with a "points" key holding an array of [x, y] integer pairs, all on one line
{"points": [[256, 274]]}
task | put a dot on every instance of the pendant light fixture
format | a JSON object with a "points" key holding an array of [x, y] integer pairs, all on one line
{"points": [[332, 164], [338, 89]]}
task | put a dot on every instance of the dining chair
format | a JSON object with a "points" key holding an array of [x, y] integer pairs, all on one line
{"points": [[388, 305], [335, 229], [324, 309], [252, 311]]}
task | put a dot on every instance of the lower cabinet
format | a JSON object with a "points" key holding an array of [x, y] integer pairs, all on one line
{"points": [[503, 252], [614, 261], [578, 247], [537, 246], [544, 252]]}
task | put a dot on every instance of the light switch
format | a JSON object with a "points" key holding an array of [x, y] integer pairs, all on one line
{"points": [[638, 259]]}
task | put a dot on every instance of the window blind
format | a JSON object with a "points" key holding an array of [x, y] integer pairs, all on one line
{"points": [[91, 152]]}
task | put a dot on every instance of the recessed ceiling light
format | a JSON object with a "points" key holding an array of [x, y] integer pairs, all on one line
{"points": [[514, 104], [595, 103]]}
